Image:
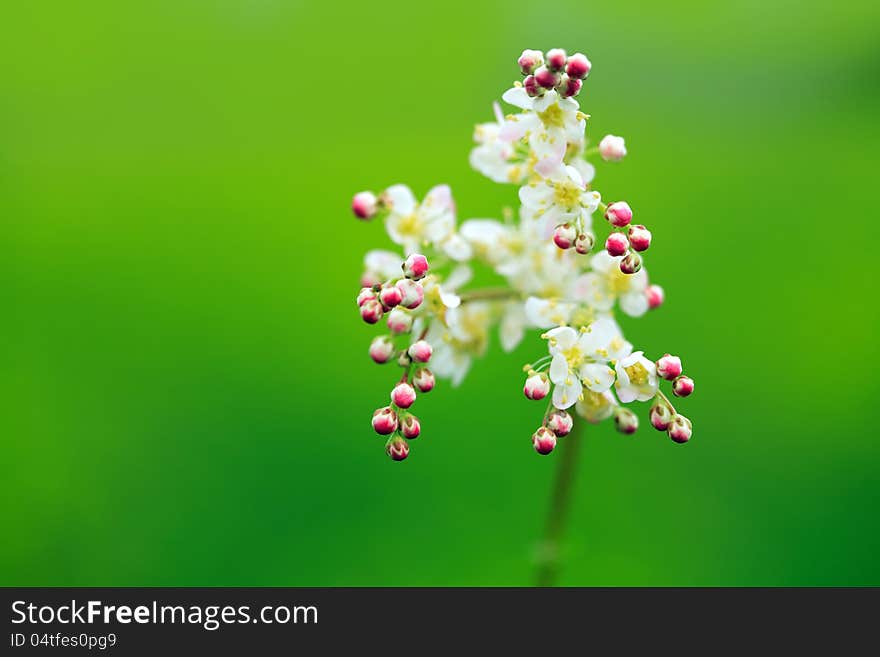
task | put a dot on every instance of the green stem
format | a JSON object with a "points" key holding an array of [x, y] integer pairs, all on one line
{"points": [[560, 500]]}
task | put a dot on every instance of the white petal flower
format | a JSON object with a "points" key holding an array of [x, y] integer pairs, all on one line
{"points": [[512, 327], [636, 378], [606, 283], [543, 313], [412, 225], [385, 264]]}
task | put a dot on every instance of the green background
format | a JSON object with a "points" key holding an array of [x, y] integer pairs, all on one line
{"points": [[185, 394]]}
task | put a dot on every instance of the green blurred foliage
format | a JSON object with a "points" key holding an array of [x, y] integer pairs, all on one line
{"points": [[184, 389]]}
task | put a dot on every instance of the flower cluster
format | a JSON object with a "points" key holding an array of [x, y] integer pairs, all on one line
{"points": [[554, 278]]}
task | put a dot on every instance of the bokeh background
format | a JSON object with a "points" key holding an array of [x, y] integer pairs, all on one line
{"points": [[184, 388]]}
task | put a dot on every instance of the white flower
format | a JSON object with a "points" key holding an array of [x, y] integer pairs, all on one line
{"points": [[636, 378], [464, 337], [579, 361], [411, 224], [596, 406], [546, 313], [606, 283], [513, 325], [385, 265], [494, 157], [440, 294], [560, 197]]}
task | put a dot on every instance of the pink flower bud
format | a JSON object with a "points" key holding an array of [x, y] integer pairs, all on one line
{"points": [[584, 243], [619, 214], [371, 311], [364, 205], [399, 321], [569, 87], [381, 349], [578, 66], [680, 429], [544, 440], [616, 244], [631, 263], [560, 423], [655, 296], [397, 449], [410, 427], [564, 236], [390, 296], [669, 367], [556, 59], [423, 379], [682, 386], [415, 266], [639, 237], [366, 294], [537, 386], [420, 351], [403, 395], [546, 78], [533, 89], [529, 61], [612, 149], [385, 421], [661, 416], [370, 279], [626, 421], [413, 294]]}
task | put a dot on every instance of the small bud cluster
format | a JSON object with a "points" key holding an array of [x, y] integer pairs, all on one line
{"points": [[557, 424], [663, 414], [556, 71], [398, 298], [637, 238]]}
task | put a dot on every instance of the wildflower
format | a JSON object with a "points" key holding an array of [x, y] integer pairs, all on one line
{"points": [[612, 148], [682, 386], [544, 441], [636, 378]]}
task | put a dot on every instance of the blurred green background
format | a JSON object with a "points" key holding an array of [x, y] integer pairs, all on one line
{"points": [[185, 393]]}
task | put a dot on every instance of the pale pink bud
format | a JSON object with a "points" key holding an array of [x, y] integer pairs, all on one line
{"points": [[403, 395], [381, 349], [564, 236], [569, 87], [655, 296], [399, 321], [639, 237], [529, 61], [626, 421], [584, 243], [415, 266], [397, 449], [682, 386], [560, 423], [420, 351], [370, 279], [669, 367], [366, 294], [578, 66], [537, 386], [371, 311], [390, 296], [612, 148], [619, 214], [533, 89], [413, 294], [385, 421], [680, 429], [544, 440], [423, 379], [556, 59], [616, 244], [631, 263], [546, 78], [410, 427], [364, 205], [661, 416]]}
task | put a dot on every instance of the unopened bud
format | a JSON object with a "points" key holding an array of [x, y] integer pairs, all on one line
{"points": [[616, 244], [612, 148], [578, 66], [364, 205], [556, 59], [619, 214], [639, 237], [420, 351], [631, 263], [423, 379], [366, 294], [410, 427], [415, 266], [569, 87], [560, 423], [413, 294], [537, 386], [682, 386], [626, 421], [533, 89], [403, 395], [385, 421], [390, 296], [661, 416], [399, 321], [371, 311], [655, 296], [669, 367], [546, 78], [529, 61], [680, 429], [397, 449], [584, 243], [564, 236], [544, 440], [381, 349], [404, 360]]}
